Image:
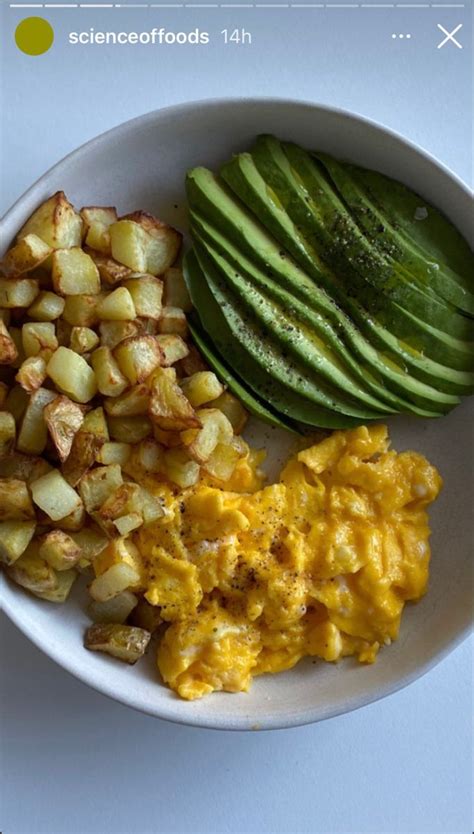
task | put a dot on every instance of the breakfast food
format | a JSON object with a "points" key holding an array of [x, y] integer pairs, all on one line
{"points": [[125, 386]]}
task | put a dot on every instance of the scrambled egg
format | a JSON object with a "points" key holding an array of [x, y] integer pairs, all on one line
{"points": [[252, 579]]}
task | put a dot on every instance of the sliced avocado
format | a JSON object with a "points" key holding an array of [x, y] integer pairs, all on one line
{"points": [[215, 202], [305, 312], [244, 354], [394, 242]]}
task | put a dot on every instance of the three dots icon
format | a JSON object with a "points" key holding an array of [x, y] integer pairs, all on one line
{"points": [[401, 36]]}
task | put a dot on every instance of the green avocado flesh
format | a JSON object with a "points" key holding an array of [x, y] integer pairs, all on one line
{"points": [[321, 301]]}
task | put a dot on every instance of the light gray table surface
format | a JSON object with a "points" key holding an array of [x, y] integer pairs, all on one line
{"points": [[74, 762]]}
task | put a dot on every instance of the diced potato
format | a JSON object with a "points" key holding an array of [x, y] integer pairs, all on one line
{"points": [[112, 452], [169, 408], [149, 456], [15, 501], [131, 498], [146, 292], [133, 402], [17, 293], [82, 456], [63, 418], [113, 332], [3, 394], [91, 542], [15, 334], [138, 357], [74, 272], [72, 375], [110, 271], [180, 469], [39, 337], [47, 306], [56, 222], [16, 402], [98, 484], [173, 320], [52, 494], [15, 537], [124, 642], [28, 253], [81, 310], [95, 422], [222, 461], [146, 616], [8, 349], [96, 223], [118, 578], [34, 433], [73, 522], [25, 468], [110, 380], [175, 290], [128, 523], [233, 410], [117, 306], [59, 550], [162, 242], [83, 339], [129, 244], [170, 439], [33, 573], [115, 610], [201, 388], [64, 582], [7, 433], [216, 428], [173, 347], [129, 429], [32, 373]]}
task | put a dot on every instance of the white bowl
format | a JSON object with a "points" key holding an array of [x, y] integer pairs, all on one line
{"points": [[142, 164]]}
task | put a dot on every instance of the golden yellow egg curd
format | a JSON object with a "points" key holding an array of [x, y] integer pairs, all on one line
{"points": [[319, 564]]}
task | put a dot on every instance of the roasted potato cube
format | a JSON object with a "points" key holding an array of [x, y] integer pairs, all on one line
{"points": [[96, 223], [114, 332], [74, 272], [15, 537], [117, 306], [32, 572], [128, 523], [146, 292], [52, 494], [233, 410], [131, 498], [8, 349], [28, 253], [110, 380], [47, 306], [72, 523], [83, 339], [112, 452], [222, 461], [110, 271], [216, 428], [118, 578], [149, 456], [115, 610], [180, 469], [7, 433], [24, 467], [33, 432], [82, 456], [132, 403], [162, 242], [138, 357], [129, 244], [17, 293], [169, 408], [173, 347], [32, 373], [64, 582], [175, 290], [173, 320], [201, 388], [15, 334], [129, 429], [56, 222], [17, 402], [59, 550], [63, 418], [96, 486], [127, 643], [169, 439], [39, 337], [72, 375], [95, 422], [91, 542], [81, 310], [146, 616]]}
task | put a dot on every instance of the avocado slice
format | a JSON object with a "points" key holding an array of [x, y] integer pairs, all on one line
{"points": [[394, 242], [254, 372], [215, 202], [307, 312]]}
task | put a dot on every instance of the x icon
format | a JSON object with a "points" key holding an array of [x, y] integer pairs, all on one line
{"points": [[449, 36]]}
